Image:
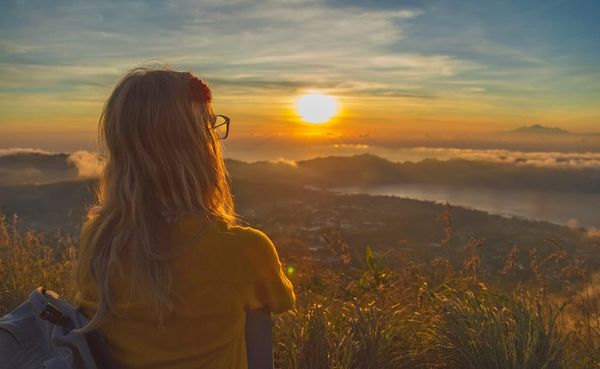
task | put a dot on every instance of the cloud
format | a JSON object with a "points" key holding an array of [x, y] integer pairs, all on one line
{"points": [[301, 43], [574, 160], [291, 163], [22, 150], [419, 66], [418, 61], [89, 165], [474, 89], [351, 146]]}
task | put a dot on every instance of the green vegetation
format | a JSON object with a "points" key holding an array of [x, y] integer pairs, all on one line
{"points": [[375, 315]]}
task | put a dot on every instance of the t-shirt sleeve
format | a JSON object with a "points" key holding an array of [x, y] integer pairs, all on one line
{"points": [[263, 281]]}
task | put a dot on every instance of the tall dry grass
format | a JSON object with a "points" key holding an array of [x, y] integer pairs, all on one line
{"points": [[29, 260], [436, 316]]}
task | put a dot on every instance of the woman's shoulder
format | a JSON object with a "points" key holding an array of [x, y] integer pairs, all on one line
{"points": [[246, 238], [244, 233]]}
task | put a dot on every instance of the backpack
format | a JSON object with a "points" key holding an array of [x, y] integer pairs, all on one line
{"points": [[39, 334]]}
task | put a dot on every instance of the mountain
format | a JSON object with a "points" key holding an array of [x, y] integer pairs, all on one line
{"points": [[370, 170], [36, 168], [540, 129], [342, 171]]}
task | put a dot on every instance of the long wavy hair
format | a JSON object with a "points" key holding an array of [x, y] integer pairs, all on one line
{"points": [[162, 161]]}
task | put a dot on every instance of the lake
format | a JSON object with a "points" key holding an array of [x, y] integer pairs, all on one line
{"points": [[566, 208]]}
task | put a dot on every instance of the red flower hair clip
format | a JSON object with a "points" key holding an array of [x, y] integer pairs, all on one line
{"points": [[199, 91]]}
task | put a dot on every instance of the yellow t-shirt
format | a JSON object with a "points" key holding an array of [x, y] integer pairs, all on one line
{"points": [[220, 273]]}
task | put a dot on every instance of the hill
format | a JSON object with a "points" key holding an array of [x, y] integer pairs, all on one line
{"points": [[540, 129], [344, 171], [297, 218], [368, 170], [27, 167]]}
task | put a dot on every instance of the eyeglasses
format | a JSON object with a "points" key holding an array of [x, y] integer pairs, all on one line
{"points": [[220, 124]]}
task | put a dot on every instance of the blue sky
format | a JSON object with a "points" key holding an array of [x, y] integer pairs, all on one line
{"points": [[410, 66]]}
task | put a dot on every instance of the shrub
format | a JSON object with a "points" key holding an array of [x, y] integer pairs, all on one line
{"points": [[482, 330]]}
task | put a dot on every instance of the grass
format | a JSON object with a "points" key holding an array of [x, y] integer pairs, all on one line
{"points": [[481, 330], [29, 260], [377, 317]]}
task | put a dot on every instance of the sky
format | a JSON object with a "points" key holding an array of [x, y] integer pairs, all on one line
{"points": [[404, 73]]}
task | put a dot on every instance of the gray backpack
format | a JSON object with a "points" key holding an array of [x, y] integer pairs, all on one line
{"points": [[39, 334]]}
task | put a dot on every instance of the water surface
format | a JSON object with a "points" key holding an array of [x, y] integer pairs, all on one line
{"points": [[571, 208]]}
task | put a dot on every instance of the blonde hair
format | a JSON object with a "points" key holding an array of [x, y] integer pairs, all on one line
{"points": [[162, 161]]}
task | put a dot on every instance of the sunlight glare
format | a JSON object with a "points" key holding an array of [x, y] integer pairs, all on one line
{"points": [[316, 108]]}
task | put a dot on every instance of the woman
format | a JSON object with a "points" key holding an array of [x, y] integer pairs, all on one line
{"points": [[164, 272]]}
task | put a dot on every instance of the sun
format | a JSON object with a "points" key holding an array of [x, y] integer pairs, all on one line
{"points": [[316, 108]]}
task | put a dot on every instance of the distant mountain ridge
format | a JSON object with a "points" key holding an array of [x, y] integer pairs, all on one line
{"points": [[36, 168], [371, 170], [343, 171], [62, 203], [540, 129]]}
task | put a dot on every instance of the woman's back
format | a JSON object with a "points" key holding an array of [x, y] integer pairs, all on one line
{"points": [[219, 271], [166, 288]]}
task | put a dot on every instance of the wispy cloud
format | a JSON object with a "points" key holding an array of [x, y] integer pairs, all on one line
{"points": [[89, 165], [282, 45], [430, 60], [537, 159], [22, 150]]}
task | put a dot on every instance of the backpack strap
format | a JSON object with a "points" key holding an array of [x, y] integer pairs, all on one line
{"points": [[95, 342], [55, 316]]}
